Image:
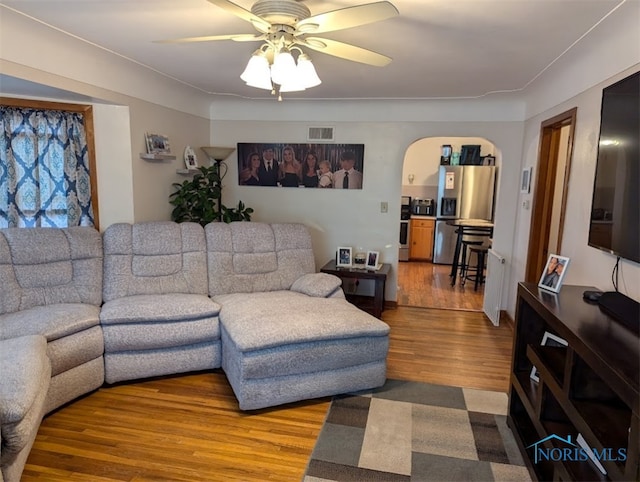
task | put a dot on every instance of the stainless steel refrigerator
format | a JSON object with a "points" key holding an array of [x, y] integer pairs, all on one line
{"points": [[464, 192]]}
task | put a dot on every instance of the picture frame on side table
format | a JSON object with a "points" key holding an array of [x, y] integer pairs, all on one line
{"points": [[553, 273], [345, 257], [548, 339], [372, 260]]}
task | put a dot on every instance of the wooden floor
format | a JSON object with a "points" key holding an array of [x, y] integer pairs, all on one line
{"points": [[189, 428], [428, 285]]}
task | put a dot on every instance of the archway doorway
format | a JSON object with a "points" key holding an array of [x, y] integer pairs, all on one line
{"points": [[421, 282]]}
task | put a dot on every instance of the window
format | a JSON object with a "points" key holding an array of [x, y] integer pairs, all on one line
{"points": [[47, 165]]}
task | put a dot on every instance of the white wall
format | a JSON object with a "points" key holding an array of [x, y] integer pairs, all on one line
{"points": [[422, 158], [130, 188], [588, 266], [29, 43], [609, 53], [153, 180], [113, 163], [353, 218], [128, 101], [33, 52]]}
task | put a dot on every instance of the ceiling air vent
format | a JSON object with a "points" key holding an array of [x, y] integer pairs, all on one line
{"points": [[320, 134]]}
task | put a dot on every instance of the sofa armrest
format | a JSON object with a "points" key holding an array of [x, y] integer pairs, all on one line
{"points": [[319, 285]]}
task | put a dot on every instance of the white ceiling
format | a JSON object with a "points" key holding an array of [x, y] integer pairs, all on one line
{"points": [[440, 48]]}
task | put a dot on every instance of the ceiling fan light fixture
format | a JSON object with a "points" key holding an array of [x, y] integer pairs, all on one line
{"points": [[283, 68], [257, 73], [306, 72], [261, 83], [308, 27], [316, 43], [292, 87]]}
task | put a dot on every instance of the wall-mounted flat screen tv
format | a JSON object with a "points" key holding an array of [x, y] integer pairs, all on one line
{"points": [[615, 216]]}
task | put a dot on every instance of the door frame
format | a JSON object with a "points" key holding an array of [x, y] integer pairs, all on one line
{"points": [[542, 204]]}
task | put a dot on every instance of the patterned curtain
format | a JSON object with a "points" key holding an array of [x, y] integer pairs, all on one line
{"points": [[44, 169]]}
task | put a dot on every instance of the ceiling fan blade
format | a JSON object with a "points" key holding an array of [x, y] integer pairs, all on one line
{"points": [[208, 38], [260, 24], [345, 51], [347, 17]]}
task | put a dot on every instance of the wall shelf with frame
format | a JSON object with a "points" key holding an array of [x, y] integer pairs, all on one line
{"points": [[187, 172], [157, 157]]}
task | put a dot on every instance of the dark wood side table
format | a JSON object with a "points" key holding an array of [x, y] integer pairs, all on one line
{"points": [[373, 305]]}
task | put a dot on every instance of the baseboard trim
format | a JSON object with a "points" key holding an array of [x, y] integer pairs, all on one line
{"points": [[505, 318]]}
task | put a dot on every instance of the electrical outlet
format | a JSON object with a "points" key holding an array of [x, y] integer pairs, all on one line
{"points": [[384, 207]]}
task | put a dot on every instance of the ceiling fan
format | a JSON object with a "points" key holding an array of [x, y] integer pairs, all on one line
{"points": [[286, 25], [290, 22]]}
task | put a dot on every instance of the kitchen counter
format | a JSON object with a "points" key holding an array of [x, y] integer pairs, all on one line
{"points": [[417, 216]]}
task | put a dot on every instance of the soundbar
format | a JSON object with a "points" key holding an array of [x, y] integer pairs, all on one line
{"points": [[622, 309]]}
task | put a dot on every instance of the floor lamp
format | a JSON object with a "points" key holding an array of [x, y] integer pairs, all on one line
{"points": [[217, 156]]}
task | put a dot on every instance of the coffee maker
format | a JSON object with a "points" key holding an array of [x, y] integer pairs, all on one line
{"points": [[423, 207]]}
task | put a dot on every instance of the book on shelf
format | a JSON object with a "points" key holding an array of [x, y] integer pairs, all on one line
{"points": [[585, 446]]}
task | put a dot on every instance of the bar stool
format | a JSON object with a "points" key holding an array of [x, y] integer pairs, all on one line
{"points": [[470, 238], [477, 275]]}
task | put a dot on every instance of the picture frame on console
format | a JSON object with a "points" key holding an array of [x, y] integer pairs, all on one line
{"points": [[548, 339], [344, 259], [553, 273]]}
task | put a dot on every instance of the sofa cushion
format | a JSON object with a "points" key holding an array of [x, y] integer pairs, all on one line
{"points": [[25, 375], [158, 308], [154, 258], [175, 320], [255, 257], [52, 321], [304, 357], [135, 336], [271, 319], [44, 266], [22, 361], [76, 349], [321, 285]]}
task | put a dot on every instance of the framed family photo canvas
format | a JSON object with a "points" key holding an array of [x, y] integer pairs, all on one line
{"points": [[293, 165], [345, 257], [554, 273]]}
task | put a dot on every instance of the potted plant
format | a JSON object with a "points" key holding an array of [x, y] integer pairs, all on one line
{"points": [[199, 200]]}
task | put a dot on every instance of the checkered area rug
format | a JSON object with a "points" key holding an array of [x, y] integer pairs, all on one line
{"points": [[410, 431]]}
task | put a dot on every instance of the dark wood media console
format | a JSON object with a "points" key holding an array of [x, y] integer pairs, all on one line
{"points": [[589, 387]]}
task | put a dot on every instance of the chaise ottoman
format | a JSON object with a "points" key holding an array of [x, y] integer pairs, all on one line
{"points": [[284, 346]]}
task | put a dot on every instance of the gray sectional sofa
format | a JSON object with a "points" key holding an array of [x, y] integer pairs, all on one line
{"points": [[78, 309], [157, 317]]}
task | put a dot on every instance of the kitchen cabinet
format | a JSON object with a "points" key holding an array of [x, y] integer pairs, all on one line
{"points": [[421, 239], [586, 390]]}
